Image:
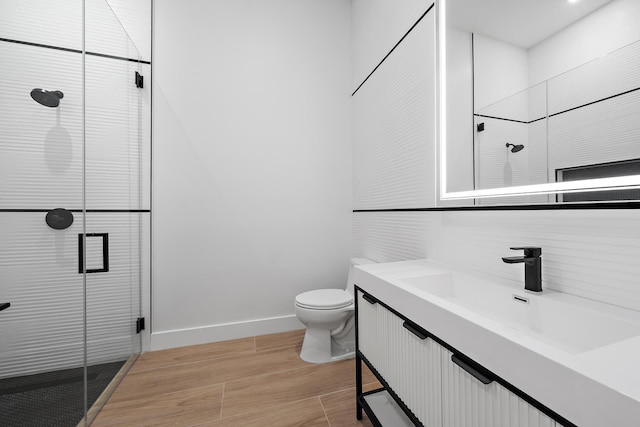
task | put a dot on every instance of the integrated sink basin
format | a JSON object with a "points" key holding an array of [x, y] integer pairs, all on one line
{"points": [[569, 323]]}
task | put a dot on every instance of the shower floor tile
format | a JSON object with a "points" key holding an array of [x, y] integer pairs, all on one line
{"points": [[52, 399]]}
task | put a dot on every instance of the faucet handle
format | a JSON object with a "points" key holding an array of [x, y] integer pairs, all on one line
{"points": [[529, 251]]}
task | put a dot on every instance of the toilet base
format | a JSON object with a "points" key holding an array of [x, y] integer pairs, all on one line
{"points": [[318, 347]]}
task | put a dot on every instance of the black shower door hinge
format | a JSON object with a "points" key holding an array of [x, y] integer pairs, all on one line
{"points": [[139, 80], [139, 325]]}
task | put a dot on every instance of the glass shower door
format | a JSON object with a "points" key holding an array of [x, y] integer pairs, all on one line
{"points": [[71, 207], [117, 210]]}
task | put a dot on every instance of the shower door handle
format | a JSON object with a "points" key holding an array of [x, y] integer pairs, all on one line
{"points": [[104, 248], [4, 305]]}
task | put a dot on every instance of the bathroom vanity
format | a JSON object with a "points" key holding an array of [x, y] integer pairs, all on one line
{"points": [[452, 349]]}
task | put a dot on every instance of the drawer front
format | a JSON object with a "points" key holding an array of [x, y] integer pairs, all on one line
{"points": [[468, 402], [408, 363]]}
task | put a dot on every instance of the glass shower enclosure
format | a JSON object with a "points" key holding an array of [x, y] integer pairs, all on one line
{"points": [[74, 208]]}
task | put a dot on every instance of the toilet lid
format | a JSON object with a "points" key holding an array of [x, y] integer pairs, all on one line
{"points": [[324, 299]]}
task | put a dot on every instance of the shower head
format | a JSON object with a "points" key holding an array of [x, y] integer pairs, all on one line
{"points": [[515, 148], [48, 98]]}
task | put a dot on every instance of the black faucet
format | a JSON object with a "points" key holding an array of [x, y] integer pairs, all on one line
{"points": [[532, 267]]}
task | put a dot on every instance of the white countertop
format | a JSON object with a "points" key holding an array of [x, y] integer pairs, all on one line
{"points": [[599, 387]]}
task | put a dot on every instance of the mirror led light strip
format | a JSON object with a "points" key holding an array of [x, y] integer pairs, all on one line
{"points": [[441, 90], [601, 184]]}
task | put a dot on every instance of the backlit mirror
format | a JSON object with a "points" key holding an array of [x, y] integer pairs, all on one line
{"points": [[539, 100]]}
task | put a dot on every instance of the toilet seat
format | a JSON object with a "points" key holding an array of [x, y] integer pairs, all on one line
{"points": [[324, 299]]}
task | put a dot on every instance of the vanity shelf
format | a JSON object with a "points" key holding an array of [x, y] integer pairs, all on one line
{"points": [[429, 382], [383, 410]]}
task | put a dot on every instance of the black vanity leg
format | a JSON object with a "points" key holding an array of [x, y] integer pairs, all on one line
{"points": [[358, 386], [358, 359]]}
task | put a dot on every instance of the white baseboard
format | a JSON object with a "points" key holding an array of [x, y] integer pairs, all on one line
{"points": [[227, 331]]}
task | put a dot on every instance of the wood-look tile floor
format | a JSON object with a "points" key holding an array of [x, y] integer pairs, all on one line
{"points": [[257, 381]]}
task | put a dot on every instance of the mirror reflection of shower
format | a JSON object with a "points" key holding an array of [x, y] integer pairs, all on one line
{"points": [[515, 148], [48, 98]]}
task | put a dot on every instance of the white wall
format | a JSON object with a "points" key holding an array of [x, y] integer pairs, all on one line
{"points": [[504, 69], [590, 253], [500, 70], [251, 163], [460, 119], [609, 28]]}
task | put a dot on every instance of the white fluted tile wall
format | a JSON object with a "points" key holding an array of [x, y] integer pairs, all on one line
{"points": [[39, 271], [106, 34], [590, 253], [114, 27], [36, 21], [117, 145], [377, 25], [393, 122], [135, 17], [391, 236], [607, 131], [39, 141], [113, 298], [610, 75], [43, 329]]}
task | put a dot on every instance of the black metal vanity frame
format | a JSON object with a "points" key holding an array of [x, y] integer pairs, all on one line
{"points": [[466, 363]]}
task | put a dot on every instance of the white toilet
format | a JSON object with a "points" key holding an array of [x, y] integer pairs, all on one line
{"points": [[328, 315]]}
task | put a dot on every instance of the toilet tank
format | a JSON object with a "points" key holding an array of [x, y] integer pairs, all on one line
{"points": [[354, 262]]}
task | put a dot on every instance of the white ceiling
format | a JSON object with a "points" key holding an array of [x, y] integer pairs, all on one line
{"points": [[523, 23]]}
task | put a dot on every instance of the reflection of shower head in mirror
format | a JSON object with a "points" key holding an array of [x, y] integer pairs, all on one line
{"points": [[515, 148], [48, 98]]}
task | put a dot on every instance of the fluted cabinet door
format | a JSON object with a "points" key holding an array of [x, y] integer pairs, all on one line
{"points": [[408, 363], [369, 342], [467, 402], [413, 368]]}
